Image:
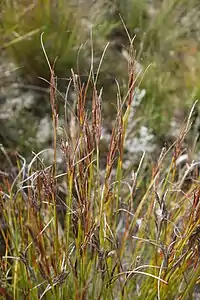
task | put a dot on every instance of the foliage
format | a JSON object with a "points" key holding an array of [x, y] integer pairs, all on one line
{"points": [[166, 43], [63, 34], [87, 234], [23, 27]]}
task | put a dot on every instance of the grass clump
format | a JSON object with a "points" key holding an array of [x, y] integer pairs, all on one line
{"points": [[65, 28], [22, 26], [167, 36], [85, 233]]}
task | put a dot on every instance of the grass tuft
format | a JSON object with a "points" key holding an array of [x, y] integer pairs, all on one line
{"points": [[85, 233]]}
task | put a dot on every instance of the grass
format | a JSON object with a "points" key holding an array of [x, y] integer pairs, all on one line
{"points": [[22, 26], [166, 37], [85, 232]]}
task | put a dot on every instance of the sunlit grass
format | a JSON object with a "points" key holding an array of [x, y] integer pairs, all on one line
{"points": [[86, 234]]}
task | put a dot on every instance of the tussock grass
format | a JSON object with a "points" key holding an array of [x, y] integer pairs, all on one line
{"points": [[81, 234], [66, 27], [167, 36], [22, 26]]}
